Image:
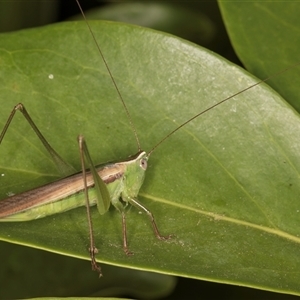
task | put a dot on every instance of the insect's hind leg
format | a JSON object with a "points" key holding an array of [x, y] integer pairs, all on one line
{"points": [[141, 207], [64, 168]]}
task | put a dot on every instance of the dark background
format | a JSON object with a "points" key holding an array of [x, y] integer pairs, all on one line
{"points": [[186, 288]]}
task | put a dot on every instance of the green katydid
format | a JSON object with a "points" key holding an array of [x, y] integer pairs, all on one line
{"points": [[143, 157]]}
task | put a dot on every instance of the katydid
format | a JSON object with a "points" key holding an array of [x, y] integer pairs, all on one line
{"points": [[119, 180]]}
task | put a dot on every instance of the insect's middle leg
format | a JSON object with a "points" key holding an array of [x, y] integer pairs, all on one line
{"points": [[141, 207]]}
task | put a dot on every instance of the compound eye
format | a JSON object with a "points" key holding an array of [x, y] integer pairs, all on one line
{"points": [[143, 164]]}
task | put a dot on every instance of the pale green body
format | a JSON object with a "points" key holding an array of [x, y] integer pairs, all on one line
{"points": [[123, 181]]}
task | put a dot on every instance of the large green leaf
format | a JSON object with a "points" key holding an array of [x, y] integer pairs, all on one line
{"points": [[226, 186]]}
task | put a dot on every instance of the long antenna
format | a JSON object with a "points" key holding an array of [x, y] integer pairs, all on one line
{"points": [[111, 77], [219, 103]]}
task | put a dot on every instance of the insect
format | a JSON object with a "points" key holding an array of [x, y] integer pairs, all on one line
{"points": [[142, 112]]}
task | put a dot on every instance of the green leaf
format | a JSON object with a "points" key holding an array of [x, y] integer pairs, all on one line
{"points": [[265, 35], [226, 185]]}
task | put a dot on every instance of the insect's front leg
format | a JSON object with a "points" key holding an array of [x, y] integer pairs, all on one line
{"points": [[124, 229], [120, 206]]}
